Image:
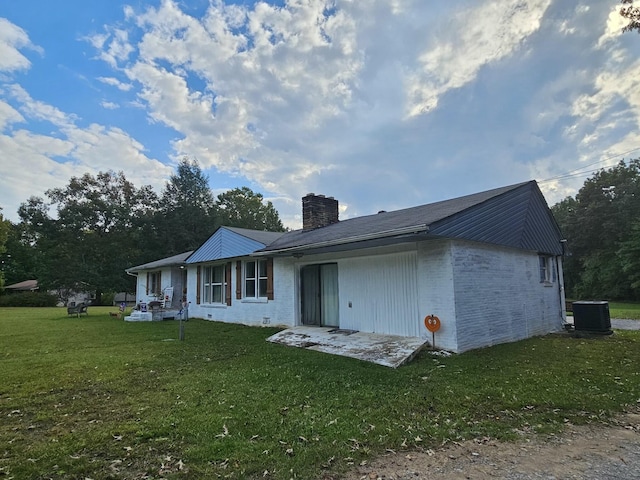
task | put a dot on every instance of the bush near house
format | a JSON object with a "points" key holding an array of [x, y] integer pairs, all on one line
{"points": [[128, 400], [28, 299]]}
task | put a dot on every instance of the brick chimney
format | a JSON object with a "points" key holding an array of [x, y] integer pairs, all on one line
{"points": [[318, 211]]}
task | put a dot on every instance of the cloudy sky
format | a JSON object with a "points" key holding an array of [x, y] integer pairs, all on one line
{"points": [[382, 104]]}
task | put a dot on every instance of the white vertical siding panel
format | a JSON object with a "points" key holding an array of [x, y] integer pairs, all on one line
{"points": [[378, 294]]}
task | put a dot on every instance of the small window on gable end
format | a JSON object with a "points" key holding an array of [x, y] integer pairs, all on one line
{"points": [[546, 269]]}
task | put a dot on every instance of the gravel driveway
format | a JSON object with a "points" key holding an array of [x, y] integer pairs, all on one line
{"points": [[586, 452]]}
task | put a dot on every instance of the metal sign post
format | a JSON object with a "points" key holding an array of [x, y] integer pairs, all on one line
{"points": [[433, 325], [184, 312]]}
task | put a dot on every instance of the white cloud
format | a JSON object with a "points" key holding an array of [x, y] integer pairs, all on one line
{"points": [[383, 104], [12, 39], [477, 37], [114, 82], [8, 115], [34, 162], [109, 105], [113, 45], [614, 26], [39, 110], [270, 73]]}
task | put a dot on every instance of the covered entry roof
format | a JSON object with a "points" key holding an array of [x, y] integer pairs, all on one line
{"points": [[175, 260]]}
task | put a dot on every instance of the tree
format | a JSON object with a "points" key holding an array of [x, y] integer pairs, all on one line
{"points": [[630, 254], [600, 226], [187, 214], [241, 207], [4, 233], [99, 231], [20, 262], [632, 14]]}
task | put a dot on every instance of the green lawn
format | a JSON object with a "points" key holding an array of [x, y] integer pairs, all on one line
{"points": [[98, 398], [624, 310]]}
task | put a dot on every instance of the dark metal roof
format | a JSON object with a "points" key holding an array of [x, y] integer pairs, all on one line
{"points": [[258, 235], [230, 242], [515, 216], [174, 260], [518, 218]]}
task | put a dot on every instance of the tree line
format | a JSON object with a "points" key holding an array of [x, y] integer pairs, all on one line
{"points": [[602, 227], [83, 236]]}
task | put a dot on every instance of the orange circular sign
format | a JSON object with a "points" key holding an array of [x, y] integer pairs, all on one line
{"points": [[432, 323]]}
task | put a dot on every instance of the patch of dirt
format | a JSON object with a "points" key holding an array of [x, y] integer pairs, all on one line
{"points": [[580, 452]]}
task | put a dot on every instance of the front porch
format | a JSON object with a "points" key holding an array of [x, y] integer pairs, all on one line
{"points": [[387, 350], [154, 315]]}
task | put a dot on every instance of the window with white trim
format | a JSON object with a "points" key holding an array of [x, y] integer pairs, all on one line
{"points": [[255, 279], [213, 284], [154, 286], [546, 269]]}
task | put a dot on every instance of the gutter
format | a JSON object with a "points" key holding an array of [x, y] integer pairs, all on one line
{"points": [[421, 228]]}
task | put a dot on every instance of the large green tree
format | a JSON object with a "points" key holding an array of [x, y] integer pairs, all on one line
{"points": [[601, 226], [21, 259], [630, 12], [4, 234], [97, 231], [187, 213], [242, 207]]}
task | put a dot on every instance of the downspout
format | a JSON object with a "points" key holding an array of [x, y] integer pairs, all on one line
{"points": [[563, 298], [134, 275]]}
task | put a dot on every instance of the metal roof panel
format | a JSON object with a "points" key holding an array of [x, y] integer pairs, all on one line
{"points": [[230, 242]]}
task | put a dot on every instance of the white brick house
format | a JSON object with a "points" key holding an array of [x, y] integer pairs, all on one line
{"points": [[488, 265]]}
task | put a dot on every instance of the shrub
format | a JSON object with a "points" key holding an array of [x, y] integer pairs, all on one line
{"points": [[28, 299], [107, 298]]}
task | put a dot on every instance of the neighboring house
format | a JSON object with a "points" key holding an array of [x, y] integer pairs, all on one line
{"points": [[65, 296], [489, 265], [162, 281], [25, 286], [129, 299]]}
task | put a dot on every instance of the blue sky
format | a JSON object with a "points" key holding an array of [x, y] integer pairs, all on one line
{"points": [[380, 104]]}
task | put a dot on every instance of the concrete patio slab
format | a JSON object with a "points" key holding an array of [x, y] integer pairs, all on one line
{"points": [[387, 350]]}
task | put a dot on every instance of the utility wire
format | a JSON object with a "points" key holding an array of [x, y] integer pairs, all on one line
{"points": [[577, 172]]}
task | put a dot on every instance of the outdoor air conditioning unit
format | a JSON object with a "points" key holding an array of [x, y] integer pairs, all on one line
{"points": [[592, 317]]}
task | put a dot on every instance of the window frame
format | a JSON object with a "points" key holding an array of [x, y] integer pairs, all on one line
{"points": [[259, 277], [154, 283], [209, 284], [545, 266]]}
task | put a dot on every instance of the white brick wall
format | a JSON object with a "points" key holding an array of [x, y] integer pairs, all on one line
{"points": [[435, 291], [483, 295], [499, 297], [279, 311]]}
